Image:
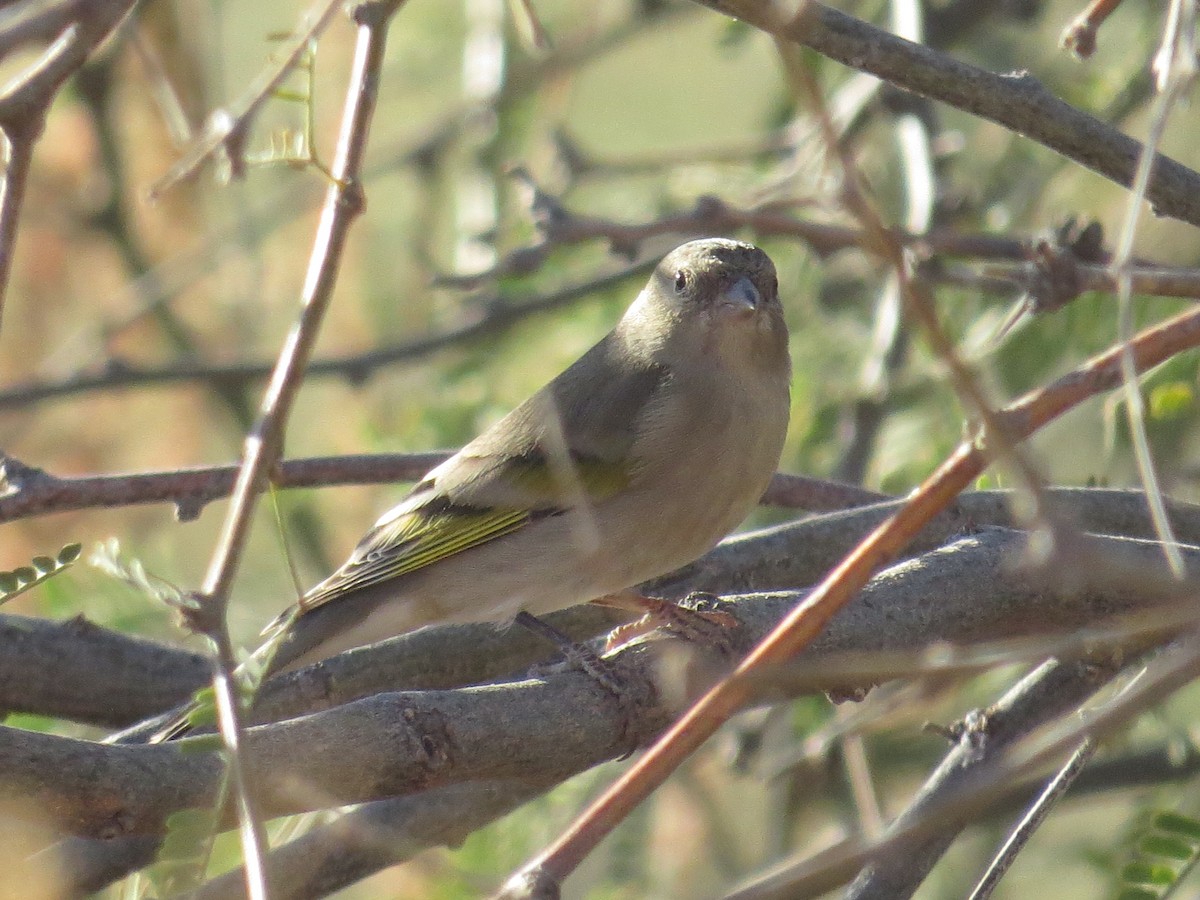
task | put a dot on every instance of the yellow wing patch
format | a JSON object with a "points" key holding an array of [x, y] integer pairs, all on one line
{"points": [[598, 480], [413, 541]]}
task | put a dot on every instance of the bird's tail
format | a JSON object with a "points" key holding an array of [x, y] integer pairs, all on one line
{"points": [[200, 712]]}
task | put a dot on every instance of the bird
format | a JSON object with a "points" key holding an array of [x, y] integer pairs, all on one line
{"points": [[633, 461]]}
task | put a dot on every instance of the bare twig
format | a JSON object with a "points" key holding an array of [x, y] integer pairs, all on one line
{"points": [[1176, 64], [560, 227], [963, 785], [34, 492], [889, 342], [985, 777], [491, 315], [1046, 288], [918, 302], [1080, 36], [1036, 814], [25, 102], [264, 445], [226, 128], [27, 23]]}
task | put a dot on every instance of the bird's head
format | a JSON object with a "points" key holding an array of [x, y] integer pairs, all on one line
{"points": [[715, 300]]}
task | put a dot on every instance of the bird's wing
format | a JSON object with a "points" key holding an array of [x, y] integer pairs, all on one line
{"points": [[566, 446], [415, 536]]}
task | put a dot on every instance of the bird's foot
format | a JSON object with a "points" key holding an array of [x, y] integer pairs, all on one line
{"points": [[706, 627]]}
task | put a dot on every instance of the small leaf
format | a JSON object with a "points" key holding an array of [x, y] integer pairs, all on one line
{"points": [[44, 564], [9, 582], [1170, 401], [200, 743], [1148, 873], [1166, 845], [69, 554], [1180, 825], [185, 827], [25, 573], [1137, 893]]}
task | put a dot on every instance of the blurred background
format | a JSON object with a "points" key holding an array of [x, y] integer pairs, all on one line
{"points": [[630, 113]]}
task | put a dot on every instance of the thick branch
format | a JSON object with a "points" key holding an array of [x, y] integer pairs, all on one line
{"points": [[397, 743], [140, 678], [80, 671]]}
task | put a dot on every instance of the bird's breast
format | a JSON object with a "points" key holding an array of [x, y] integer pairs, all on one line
{"points": [[703, 461]]}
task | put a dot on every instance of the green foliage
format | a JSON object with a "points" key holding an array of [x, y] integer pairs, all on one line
{"points": [[40, 569], [1163, 854], [107, 558], [183, 856], [1171, 401]]}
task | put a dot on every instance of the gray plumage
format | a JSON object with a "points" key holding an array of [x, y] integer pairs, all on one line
{"points": [[632, 462]]}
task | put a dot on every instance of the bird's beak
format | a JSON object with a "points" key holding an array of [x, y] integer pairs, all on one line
{"points": [[741, 298]]}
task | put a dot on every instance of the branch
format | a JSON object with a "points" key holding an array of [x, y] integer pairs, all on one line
{"points": [[26, 101], [550, 728], [381, 834], [492, 316], [1018, 102], [384, 833], [226, 127], [206, 610], [801, 553], [397, 743], [1054, 690], [108, 678], [559, 227], [101, 677], [34, 492]]}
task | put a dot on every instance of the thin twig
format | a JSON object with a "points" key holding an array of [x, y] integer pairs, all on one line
{"points": [[1177, 67], [1080, 36], [496, 315], [26, 101], [953, 798], [559, 227], [890, 337], [264, 445], [226, 127], [1033, 818], [489, 316], [918, 302], [27, 491], [1154, 281]]}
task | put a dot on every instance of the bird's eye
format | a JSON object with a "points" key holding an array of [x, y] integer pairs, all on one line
{"points": [[681, 281]]}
